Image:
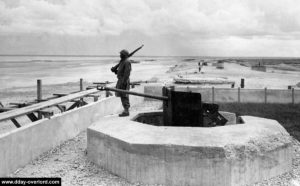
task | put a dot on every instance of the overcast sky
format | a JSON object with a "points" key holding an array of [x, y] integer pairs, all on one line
{"points": [[165, 27]]}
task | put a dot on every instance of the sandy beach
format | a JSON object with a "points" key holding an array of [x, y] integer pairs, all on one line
{"points": [[162, 70], [69, 159]]}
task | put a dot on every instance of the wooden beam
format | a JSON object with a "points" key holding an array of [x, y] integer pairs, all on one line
{"points": [[32, 117], [45, 104], [16, 123], [76, 104], [62, 108], [4, 109], [20, 105], [59, 94]]}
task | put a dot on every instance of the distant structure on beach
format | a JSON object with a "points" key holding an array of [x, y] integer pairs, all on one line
{"points": [[259, 67], [220, 64]]}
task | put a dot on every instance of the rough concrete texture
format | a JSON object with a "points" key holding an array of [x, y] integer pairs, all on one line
{"points": [[24, 144], [232, 155]]}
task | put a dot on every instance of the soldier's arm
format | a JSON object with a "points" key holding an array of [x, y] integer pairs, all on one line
{"points": [[127, 69]]}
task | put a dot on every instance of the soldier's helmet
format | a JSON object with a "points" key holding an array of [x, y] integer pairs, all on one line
{"points": [[125, 53]]}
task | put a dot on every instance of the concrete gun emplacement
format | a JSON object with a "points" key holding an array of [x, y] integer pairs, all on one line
{"points": [[182, 108]]}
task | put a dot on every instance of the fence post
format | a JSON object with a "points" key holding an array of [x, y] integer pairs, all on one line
{"points": [[81, 89], [242, 83], [266, 95], [106, 92], [213, 94], [293, 96], [39, 95], [81, 84], [239, 94], [39, 90]]}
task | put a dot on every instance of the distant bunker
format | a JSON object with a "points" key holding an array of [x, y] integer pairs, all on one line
{"points": [[261, 68], [219, 64], [146, 148]]}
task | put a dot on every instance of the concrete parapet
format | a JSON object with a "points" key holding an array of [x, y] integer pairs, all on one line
{"points": [[232, 155], [24, 144]]}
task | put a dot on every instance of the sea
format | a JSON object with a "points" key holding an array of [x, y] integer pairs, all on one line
{"points": [[23, 71]]}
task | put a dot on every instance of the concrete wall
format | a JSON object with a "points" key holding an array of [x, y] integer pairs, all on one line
{"points": [[24, 144], [232, 155], [224, 95]]}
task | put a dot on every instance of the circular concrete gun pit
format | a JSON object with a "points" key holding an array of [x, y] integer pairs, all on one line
{"points": [[235, 154]]}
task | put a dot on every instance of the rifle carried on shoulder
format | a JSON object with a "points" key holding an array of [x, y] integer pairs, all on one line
{"points": [[114, 68]]}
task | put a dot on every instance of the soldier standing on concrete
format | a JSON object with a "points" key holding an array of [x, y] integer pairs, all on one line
{"points": [[123, 74]]}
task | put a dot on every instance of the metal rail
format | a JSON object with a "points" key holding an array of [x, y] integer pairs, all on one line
{"points": [[163, 98]]}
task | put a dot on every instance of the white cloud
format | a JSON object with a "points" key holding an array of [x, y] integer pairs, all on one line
{"points": [[206, 18], [196, 23]]}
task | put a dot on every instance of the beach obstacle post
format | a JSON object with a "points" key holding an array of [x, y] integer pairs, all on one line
{"points": [[81, 84], [39, 90], [81, 89], [39, 95], [242, 83], [266, 95]]}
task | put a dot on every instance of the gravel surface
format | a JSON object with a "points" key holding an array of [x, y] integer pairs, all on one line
{"points": [[69, 161]]}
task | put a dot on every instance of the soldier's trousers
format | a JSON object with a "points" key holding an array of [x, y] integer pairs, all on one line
{"points": [[125, 102]]}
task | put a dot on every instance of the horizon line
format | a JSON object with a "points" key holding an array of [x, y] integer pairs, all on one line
{"points": [[94, 55]]}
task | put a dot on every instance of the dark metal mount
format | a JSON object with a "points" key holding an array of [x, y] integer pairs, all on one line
{"points": [[182, 108]]}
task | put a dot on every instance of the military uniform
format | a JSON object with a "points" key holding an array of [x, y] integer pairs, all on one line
{"points": [[123, 82]]}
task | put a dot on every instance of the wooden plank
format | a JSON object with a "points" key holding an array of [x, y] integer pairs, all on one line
{"points": [[45, 104], [16, 123], [59, 94], [32, 117], [76, 104], [4, 109], [62, 108]]}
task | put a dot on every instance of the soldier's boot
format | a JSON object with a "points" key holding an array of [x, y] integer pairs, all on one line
{"points": [[124, 113]]}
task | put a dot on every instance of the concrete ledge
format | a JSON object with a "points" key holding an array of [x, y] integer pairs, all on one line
{"points": [[230, 155], [24, 144]]}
